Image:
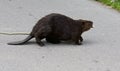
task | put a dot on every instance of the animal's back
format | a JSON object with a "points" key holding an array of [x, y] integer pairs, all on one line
{"points": [[41, 23], [61, 26], [54, 20]]}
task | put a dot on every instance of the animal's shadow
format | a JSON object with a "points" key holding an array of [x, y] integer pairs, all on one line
{"points": [[65, 43]]}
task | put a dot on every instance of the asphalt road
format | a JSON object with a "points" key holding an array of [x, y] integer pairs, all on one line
{"points": [[100, 50]]}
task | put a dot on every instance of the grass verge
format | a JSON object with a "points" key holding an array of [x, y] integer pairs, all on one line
{"points": [[112, 3]]}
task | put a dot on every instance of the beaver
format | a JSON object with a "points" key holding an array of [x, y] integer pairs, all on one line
{"points": [[56, 28]]}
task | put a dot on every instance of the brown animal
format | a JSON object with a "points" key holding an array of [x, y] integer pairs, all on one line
{"points": [[56, 28]]}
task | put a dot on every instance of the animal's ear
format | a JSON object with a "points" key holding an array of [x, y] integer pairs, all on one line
{"points": [[82, 21]]}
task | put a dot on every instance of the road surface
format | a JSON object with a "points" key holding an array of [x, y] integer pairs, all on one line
{"points": [[100, 50]]}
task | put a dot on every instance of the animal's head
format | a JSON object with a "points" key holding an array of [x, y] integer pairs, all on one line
{"points": [[86, 25]]}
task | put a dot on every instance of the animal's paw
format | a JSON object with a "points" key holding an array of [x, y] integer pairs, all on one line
{"points": [[41, 44]]}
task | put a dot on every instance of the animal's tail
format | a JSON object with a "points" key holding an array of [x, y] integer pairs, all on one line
{"points": [[21, 42]]}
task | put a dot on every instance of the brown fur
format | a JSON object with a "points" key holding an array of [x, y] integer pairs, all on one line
{"points": [[56, 28]]}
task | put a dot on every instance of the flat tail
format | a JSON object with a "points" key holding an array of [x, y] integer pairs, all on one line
{"points": [[21, 42]]}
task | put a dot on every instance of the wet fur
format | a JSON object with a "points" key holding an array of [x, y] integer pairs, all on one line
{"points": [[56, 28]]}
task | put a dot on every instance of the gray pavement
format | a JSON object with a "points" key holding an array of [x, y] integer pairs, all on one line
{"points": [[100, 50]]}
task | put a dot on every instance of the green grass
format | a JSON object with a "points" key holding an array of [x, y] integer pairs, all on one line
{"points": [[112, 3]]}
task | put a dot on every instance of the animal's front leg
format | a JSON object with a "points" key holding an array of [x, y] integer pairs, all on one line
{"points": [[76, 37], [81, 39], [76, 40]]}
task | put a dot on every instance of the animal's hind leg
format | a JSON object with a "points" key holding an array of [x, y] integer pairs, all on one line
{"points": [[42, 33], [38, 40], [39, 37]]}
